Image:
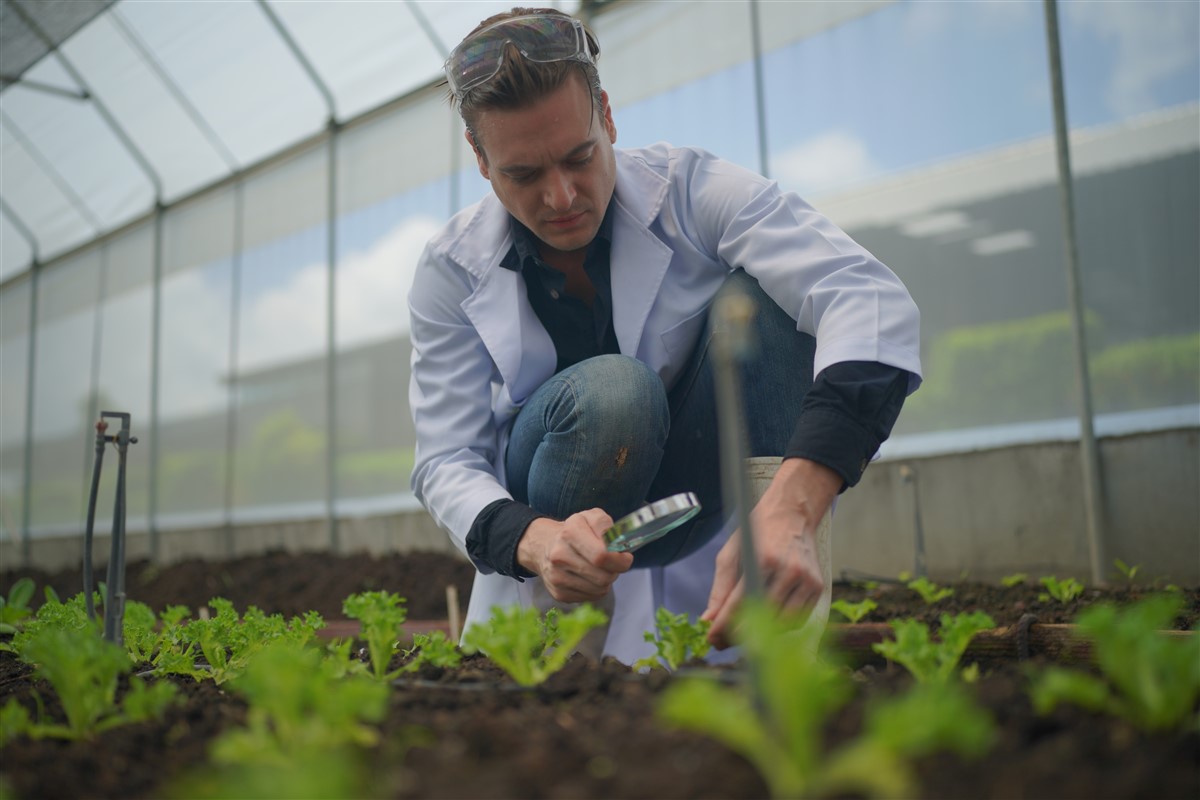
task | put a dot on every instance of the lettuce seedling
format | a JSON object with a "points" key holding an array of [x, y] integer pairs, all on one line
{"points": [[1016, 579], [779, 729], [930, 718], [83, 668], [306, 725], [927, 660], [14, 609], [1063, 591], [930, 592], [433, 649], [228, 642], [381, 615], [1150, 679], [1129, 572], [853, 611], [676, 640], [528, 646]]}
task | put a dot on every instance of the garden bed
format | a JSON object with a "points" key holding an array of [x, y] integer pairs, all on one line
{"points": [[591, 730]]}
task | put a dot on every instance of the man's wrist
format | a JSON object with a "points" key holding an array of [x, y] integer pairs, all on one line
{"points": [[532, 544]]}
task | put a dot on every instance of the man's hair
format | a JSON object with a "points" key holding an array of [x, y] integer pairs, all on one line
{"points": [[521, 83]]}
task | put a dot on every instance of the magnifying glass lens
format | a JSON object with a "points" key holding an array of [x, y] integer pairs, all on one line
{"points": [[650, 522]]}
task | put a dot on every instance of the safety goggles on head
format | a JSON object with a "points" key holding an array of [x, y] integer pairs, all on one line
{"points": [[541, 38]]}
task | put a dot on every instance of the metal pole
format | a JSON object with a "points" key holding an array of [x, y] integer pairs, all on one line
{"points": [[155, 381], [331, 274], [235, 324], [760, 105], [331, 346], [731, 346], [1092, 491], [27, 460]]}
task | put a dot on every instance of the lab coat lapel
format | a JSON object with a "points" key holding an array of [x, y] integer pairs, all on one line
{"points": [[499, 308], [638, 259]]}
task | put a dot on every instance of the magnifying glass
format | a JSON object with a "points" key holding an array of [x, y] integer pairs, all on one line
{"points": [[652, 521]]}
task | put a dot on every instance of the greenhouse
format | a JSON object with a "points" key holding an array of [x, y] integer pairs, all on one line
{"points": [[217, 518]]}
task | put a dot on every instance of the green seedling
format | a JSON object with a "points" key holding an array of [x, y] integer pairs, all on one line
{"points": [[15, 609], [381, 616], [1127, 571], [306, 726], [776, 722], [927, 660], [528, 646], [1146, 677], [228, 643], [1016, 579], [83, 668], [433, 649], [853, 611], [1064, 591], [676, 640], [930, 592]]}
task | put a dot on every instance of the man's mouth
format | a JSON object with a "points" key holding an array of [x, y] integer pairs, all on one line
{"points": [[567, 221]]}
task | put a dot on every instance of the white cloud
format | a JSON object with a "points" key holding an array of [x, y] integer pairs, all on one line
{"points": [[373, 285], [288, 322], [833, 159], [1153, 41]]}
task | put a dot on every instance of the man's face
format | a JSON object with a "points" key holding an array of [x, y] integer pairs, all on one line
{"points": [[552, 165]]}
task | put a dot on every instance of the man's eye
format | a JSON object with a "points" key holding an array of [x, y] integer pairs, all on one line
{"points": [[523, 177], [580, 162]]}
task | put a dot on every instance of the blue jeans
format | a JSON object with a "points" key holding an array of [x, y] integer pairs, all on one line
{"points": [[605, 433]]}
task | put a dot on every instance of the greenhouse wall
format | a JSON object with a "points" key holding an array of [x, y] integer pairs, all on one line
{"points": [[252, 318]]}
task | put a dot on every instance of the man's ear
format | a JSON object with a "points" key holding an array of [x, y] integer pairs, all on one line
{"points": [[609, 126], [479, 156]]}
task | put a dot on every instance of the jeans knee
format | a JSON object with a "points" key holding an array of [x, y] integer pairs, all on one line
{"points": [[622, 392]]}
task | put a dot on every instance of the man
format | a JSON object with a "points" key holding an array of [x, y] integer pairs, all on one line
{"points": [[561, 371]]}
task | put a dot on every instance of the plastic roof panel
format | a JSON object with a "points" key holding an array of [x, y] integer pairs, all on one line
{"points": [[170, 97]]}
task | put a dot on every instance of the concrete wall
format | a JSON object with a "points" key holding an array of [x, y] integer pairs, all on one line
{"points": [[1021, 509], [989, 513]]}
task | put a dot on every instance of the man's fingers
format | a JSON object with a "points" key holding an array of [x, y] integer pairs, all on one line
{"points": [[719, 633], [725, 577]]}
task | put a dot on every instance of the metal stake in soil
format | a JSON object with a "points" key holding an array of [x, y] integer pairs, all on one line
{"points": [[733, 345], [114, 602]]}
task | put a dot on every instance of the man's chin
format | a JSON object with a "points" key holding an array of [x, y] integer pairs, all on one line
{"points": [[567, 242]]}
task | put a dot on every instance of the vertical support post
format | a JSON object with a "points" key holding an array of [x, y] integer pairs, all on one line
{"points": [[1092, 491], [235, 326], [114, 604], [31, 374], [331, 345], [155, 388], [760, 104], [35, 270], [731, 346]]}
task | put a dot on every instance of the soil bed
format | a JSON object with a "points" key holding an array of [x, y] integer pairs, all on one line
{"points": [[590, 731]]}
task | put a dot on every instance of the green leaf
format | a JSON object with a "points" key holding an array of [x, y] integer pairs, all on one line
{"points": [[853, 611], [676, 640], [381, 615], [528, 646]]}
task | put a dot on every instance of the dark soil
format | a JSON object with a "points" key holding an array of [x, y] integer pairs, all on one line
{"points": [[589, 732], [278, 582]]}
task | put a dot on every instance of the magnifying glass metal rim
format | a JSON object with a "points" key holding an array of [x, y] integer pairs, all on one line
{"points": [[650, 522]]}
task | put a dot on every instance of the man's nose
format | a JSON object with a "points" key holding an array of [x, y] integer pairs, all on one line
{"points": [[560, 191]]}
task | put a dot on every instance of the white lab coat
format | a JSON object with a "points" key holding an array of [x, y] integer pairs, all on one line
{"points": [[683, 219]]}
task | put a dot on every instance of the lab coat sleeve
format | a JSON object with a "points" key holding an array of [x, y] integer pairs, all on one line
{"points": [[454, 474], [856, 307]]}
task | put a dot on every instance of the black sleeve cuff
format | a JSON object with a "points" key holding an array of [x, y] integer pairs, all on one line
{"points": [[494, 535], [847, 414]]}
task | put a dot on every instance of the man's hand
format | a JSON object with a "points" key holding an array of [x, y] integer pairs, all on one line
{"points": [[570, 556], [785, 523]]}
